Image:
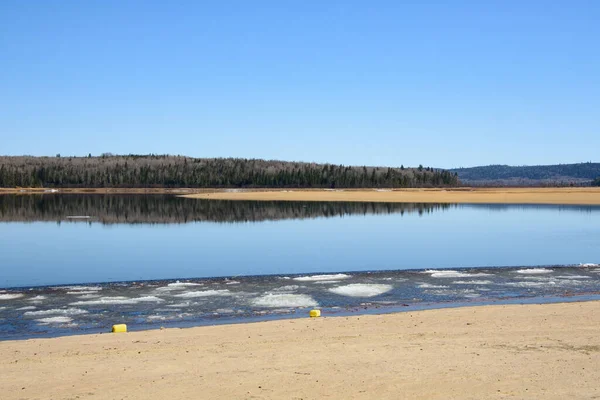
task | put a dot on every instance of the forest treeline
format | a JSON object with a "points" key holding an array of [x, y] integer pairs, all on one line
{"points": [[533, 175], [151, 171], [165, 209]]}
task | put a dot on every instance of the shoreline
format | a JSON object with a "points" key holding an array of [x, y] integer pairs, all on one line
{"points": [[358, 311], [548, 351], [514, 195]]}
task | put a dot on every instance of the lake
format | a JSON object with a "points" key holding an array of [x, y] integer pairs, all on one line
{"points": [[163, 259]]}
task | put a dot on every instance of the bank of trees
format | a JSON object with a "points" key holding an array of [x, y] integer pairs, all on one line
{"points": [[596, 182], [135, 171]]}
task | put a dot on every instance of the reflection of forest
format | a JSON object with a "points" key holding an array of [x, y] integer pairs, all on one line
{"points": [[164, 209]]}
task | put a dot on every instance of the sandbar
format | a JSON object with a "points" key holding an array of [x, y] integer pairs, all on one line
{"points": [[572, 196]]}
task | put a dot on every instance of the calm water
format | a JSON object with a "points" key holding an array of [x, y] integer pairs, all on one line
{"points": [[91, 244]]}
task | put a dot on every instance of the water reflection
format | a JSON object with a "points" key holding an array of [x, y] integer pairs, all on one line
{"points": [[167, 209]]}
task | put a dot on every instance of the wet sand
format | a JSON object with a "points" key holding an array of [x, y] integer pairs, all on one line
{"points": [[549, 351], [573, 196]]}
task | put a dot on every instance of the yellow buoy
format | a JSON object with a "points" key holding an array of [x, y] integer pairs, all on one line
{"points": [[119, 328], [315, 313]]}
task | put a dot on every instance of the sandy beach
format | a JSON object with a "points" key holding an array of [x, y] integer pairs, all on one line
{"points": [[547, 351], [573, 196]]}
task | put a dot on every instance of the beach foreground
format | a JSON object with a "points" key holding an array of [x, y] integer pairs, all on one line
{"points": [[573, 196], [549, 351]]}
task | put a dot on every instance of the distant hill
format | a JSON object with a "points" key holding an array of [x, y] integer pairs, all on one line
{"points": [[534, 175], [152, 171]]}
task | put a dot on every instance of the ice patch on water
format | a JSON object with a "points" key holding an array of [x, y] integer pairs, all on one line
{"points": [[450, 292], [83, 292], [184, 284], [326, 282], [26, 308], [361, 289], [284, 300], [473, 282], [80, 288], [178, 286], [56, 311], [224, 311], [119, 300], [534, 271], [316, 278], [89, 296], [179, 305], [156, 318], [11, 296], [531, 284], [54, 320], [288, 288], [204, 293], [453, 274], [430, 286]]}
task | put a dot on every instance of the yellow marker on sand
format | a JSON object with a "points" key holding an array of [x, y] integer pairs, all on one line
{"points": [[315, 313], [119, 328]]}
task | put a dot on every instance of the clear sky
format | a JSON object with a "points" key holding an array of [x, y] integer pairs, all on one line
{"points": [[440, 83]]}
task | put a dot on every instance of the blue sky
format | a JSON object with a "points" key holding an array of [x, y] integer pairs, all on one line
{"points": [[440, 83]]}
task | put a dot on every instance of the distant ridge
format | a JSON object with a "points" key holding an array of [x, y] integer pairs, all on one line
{"points": [[580, 174]]}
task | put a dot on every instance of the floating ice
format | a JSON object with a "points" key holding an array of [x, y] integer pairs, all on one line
{"points": [[56, 311], [83, 292], [119, 300], [284, 300], [11, 296], [534, 271], [453, 274], [178, 286], [326, 282], [26, 308], [224, 311], [80, 288], [204, 293], [361, 290], [288, 288], [473, 282], [531, 284], [178, 305], [184, 284], [430, 286], [89, 296], [315, 278], [54, 320]]}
